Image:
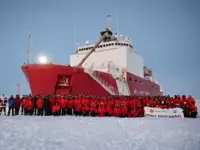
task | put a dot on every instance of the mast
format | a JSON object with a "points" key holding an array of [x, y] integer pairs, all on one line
{"points": [[18, 89], [29, 47], [117, 24], [108, 21]]}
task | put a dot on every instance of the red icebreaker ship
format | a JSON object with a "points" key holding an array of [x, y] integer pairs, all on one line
{"points": [[109, 67]]}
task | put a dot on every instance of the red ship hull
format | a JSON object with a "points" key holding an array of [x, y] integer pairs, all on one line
{"points": [[47, 79]]}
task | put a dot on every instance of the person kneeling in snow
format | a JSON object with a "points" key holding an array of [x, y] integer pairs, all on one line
{"points": [[56, 110]]}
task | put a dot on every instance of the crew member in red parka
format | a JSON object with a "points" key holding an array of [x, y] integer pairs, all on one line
{"points": [[25, 104], [62, 102], [124, 108], [70, 104], [101, 109], [178, 102], [83, 104], [116, 110], [40, 106], [56, 109], [52, 100], [17, 104], [109, 107], [77, 106], [85, 107], [140, 108], [93, 108], [194, 111], [132, 108], [171, 103], [30, 106]]}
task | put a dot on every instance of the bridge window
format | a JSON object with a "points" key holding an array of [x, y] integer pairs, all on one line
{"points": [[100, 46], [130, 79], [135, 80], [109, 44]]}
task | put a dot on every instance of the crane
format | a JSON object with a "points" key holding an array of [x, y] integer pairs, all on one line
{"points": [[104, 36]]}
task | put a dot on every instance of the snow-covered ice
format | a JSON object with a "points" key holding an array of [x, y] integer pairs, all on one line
{"points": [[86, 133]]}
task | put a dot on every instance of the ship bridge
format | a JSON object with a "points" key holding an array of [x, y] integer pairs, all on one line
{"points": [[111, 41]]}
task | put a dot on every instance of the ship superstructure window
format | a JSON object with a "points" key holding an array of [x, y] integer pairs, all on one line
{"points": [[123, 44], [130, 79], [105, 45]]}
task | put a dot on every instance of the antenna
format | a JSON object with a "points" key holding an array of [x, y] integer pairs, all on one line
{"points": [[29, 47], [74, 37], [108, 21], [18, 89], [117, 23]]}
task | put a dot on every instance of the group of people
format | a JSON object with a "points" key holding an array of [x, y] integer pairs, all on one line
{"points": [[82, 105]]}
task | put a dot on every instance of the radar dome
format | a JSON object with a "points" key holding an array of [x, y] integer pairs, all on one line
{"points": [[87, 42]]}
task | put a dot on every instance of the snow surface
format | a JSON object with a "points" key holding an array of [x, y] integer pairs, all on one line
{"points": [[86, 133]]}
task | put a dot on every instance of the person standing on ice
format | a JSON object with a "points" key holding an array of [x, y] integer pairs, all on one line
{"points": [[34, 106], [11, 105], [3, 103], [40, 106], [70, 104], [101, 109], [17, 104], [46, 106], [93, 108], [22, 106], [62, 101], [30, 106]]}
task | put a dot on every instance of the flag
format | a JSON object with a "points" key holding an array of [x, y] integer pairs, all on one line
{"points": [[108, 17]]}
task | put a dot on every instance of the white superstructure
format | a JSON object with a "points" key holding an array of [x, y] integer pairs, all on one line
{"points": [[115, 56]]}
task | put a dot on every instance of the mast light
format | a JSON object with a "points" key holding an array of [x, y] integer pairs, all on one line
{"points": [[43, 60]]}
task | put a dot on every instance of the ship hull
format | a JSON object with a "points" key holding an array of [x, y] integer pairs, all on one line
{"points": [[48, 79]]}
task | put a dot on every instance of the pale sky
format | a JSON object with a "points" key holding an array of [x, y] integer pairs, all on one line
{"points": [[166, 32]]}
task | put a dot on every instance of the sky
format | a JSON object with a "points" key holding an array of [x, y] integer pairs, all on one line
{"points": [[166, 33]]}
